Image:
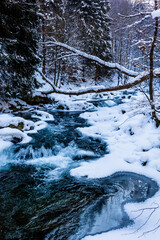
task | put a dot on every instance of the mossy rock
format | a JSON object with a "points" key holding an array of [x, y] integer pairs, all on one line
{"points": [[20, 126], [38, 99]]}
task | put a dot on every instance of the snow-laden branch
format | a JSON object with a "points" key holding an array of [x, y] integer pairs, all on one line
{"points": [[139, 79], [66, 56], [95, 59], [133, 24], [47, 80], [135, 15]]}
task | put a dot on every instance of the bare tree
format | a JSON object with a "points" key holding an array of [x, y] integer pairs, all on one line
{"points": [[138, 76], [153, 45]]}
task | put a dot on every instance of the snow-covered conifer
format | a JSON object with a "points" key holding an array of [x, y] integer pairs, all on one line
{"points": [[18, 46], [90, 29]]}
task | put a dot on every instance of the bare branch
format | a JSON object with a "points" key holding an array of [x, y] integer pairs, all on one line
{"points": [[133, 24], [148, 218], [138, 77], [149, 231], [65, 56], [47, 80], [135, 15], [142, 210], [95, 59]]}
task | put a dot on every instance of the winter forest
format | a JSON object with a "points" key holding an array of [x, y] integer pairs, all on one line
{"points": [[79, 119]]}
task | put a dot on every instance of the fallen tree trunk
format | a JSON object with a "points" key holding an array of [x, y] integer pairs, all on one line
{"points": [[139, 79]]}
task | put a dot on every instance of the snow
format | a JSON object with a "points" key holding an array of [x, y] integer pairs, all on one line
{"points": [[94, 58], [8, 119], [138, 78], [69, 105], [28, 126], [3, 106], [9, 134], [155, 13], [17, 103], [43, 115], [9, 131], [134, 146], [131, 137]]}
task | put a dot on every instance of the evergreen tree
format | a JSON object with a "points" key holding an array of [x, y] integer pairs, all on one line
{"points": [[95, 21], [18, 46], [90, 29], [57, 31], [83, 24], [52, 27]]}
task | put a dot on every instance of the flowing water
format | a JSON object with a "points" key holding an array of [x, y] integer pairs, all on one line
{"points": [[40, 200]]}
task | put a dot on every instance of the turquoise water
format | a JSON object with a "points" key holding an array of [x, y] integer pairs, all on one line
{"points": [[40, 200]]}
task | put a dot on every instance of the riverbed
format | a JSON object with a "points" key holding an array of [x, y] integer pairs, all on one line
{"points": [[40, 199]]}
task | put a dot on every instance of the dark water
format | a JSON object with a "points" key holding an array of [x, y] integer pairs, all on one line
{"points": [[40, 200]]}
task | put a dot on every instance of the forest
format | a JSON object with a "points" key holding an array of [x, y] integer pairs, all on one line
{"points": [[79, 119], [36, 44]]}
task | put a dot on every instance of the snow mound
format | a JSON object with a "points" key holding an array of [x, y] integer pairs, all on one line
{"points": [[97, 96], [74, 106], [131, 137], [15, 129], [42, 115], [14, 135], [8, 120], [134, 146], [155, 13]]}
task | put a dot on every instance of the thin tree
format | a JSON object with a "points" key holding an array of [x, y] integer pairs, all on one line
{"points": [[151, 90]]}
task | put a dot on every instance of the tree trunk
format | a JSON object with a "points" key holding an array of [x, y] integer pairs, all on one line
{"points": [[141, 78], [151, 91], [96, 73], [44, 47], [55, 66]]}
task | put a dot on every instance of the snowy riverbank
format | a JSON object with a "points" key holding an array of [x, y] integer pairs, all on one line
{"points": [[134, 146], [16, 129]]}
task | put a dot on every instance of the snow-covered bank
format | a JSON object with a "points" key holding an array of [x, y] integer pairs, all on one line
{"points": [[44, 116], [134, 146], [16, 129]]}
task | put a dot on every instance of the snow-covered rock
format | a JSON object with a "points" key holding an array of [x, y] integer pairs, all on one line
{"points": [[8, 120], [74, 106], [43, 115], [15, 129], [110, 103], [14, 135], [155, 13]]}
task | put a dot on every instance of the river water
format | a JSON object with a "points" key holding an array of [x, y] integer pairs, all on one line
{"points": [[40, 200]]}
